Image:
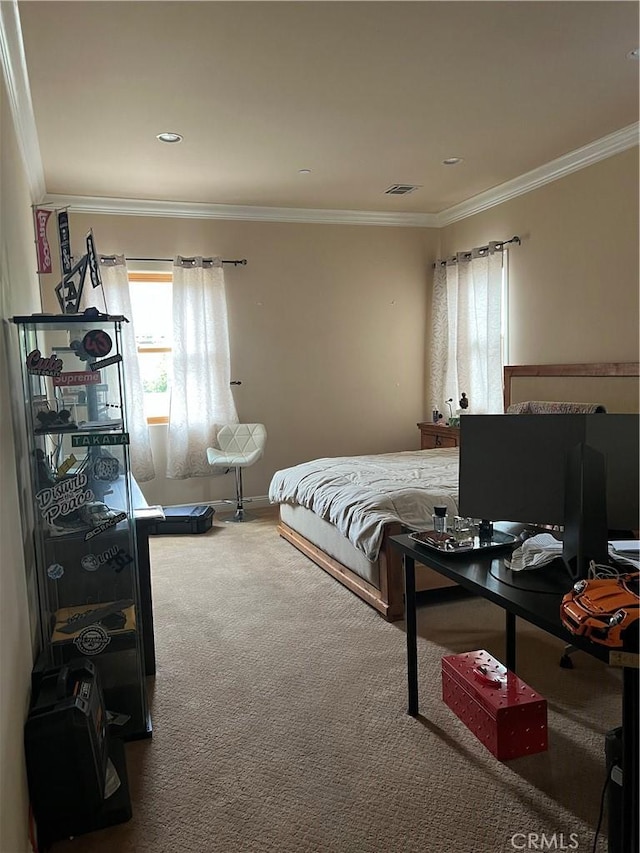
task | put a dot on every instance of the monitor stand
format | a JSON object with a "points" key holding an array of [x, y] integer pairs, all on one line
{"points": [[585, 511], [551, 579]]}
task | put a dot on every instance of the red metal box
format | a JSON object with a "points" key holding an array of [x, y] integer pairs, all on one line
{"points": [[504, 713]]}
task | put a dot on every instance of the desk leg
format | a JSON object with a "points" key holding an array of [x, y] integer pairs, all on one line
{"points": [[630, 760], [146, 603], [510, 639], [410, 629]]}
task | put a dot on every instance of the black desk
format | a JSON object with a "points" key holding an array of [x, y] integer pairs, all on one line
{"points": [[485, 576], [143, 522], [144, 516]]}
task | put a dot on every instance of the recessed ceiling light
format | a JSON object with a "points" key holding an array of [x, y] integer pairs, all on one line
{"points": [[304, 171], [169, 137], [452, 161], [634, 54]]}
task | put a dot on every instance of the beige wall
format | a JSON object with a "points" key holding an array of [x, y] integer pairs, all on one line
{"points": [[327, 330], [574, 280], [329, 323], [18, 294]]}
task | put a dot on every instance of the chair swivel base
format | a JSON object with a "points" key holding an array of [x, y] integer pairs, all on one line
{"points": [[238, 515]]}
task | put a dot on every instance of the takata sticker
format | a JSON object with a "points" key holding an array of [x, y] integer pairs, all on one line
{"points": [[55, 571], [98, 439]]}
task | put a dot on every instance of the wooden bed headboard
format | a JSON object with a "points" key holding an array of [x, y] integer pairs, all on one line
{"points": [[613, 384]]}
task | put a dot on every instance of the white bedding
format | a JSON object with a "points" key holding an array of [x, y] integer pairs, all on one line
{"points": [[360, 494]]}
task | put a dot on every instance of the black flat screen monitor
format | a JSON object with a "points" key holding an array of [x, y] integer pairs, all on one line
{"points": [[576, 471]]}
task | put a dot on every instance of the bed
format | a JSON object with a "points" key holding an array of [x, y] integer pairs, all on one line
{"points": [[341, 512]]}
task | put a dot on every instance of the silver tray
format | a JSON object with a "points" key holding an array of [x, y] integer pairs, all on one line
{"points": [[450, 546]]}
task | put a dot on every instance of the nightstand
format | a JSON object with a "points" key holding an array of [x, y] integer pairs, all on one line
{"points": [[438, 435]]}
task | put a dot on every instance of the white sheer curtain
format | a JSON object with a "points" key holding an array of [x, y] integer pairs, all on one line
{"points": [[201, 399], [115, 284], [466, 340]]}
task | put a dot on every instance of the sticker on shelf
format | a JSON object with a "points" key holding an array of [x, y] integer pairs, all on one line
{"points": [[99, 439], [55, 571], [64, 498], [98, 365], [111, 522], [106, 468], [120, 560], [92, 640], [40, 366], [69, 462], [97, 343], [92, 562], [76, 377]]}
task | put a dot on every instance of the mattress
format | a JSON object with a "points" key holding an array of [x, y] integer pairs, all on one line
{"points": [[359, 495], [326, 537]]}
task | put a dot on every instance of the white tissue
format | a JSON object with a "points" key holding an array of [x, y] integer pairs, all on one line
{"points": [[535, 552]]}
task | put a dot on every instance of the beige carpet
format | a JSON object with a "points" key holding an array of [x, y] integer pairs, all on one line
{"points": [[279, 714]]}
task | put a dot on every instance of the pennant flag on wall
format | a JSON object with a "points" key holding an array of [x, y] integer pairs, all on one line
{"points": [[94, 268], [69, 290], [43, 250], [65, 242]]}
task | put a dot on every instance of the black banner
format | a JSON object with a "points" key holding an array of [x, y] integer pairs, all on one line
{"points": [[69, 290], [65, 242], [94, 266]]}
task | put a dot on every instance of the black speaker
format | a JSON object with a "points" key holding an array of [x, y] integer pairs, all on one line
{"points": [[76, 775], [613, 755]]}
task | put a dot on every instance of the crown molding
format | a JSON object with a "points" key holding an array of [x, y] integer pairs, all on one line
{"points": [[602, 148], [14, 67], [201, 210]]}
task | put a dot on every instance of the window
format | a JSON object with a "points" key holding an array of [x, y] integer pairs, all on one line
{"points": [[151, 300]]}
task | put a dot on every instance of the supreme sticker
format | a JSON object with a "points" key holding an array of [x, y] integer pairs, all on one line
{"points": [[76, 377]]}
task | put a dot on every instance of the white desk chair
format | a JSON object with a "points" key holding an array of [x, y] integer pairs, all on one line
{"points": [[240, 446]]}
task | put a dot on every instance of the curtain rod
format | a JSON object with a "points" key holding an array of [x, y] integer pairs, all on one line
{"points": [[499, 243], [242, 262]]}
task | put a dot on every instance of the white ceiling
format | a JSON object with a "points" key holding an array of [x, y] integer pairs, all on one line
{"points": [[364, 94]]}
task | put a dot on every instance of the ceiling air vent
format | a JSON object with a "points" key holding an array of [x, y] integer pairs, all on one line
{"points": [[401, 189]]}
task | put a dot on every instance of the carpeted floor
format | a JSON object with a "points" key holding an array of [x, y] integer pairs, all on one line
{"points": [[279, 715]]}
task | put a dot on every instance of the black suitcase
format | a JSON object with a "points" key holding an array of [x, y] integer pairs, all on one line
{"points": [[183, 519]]}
